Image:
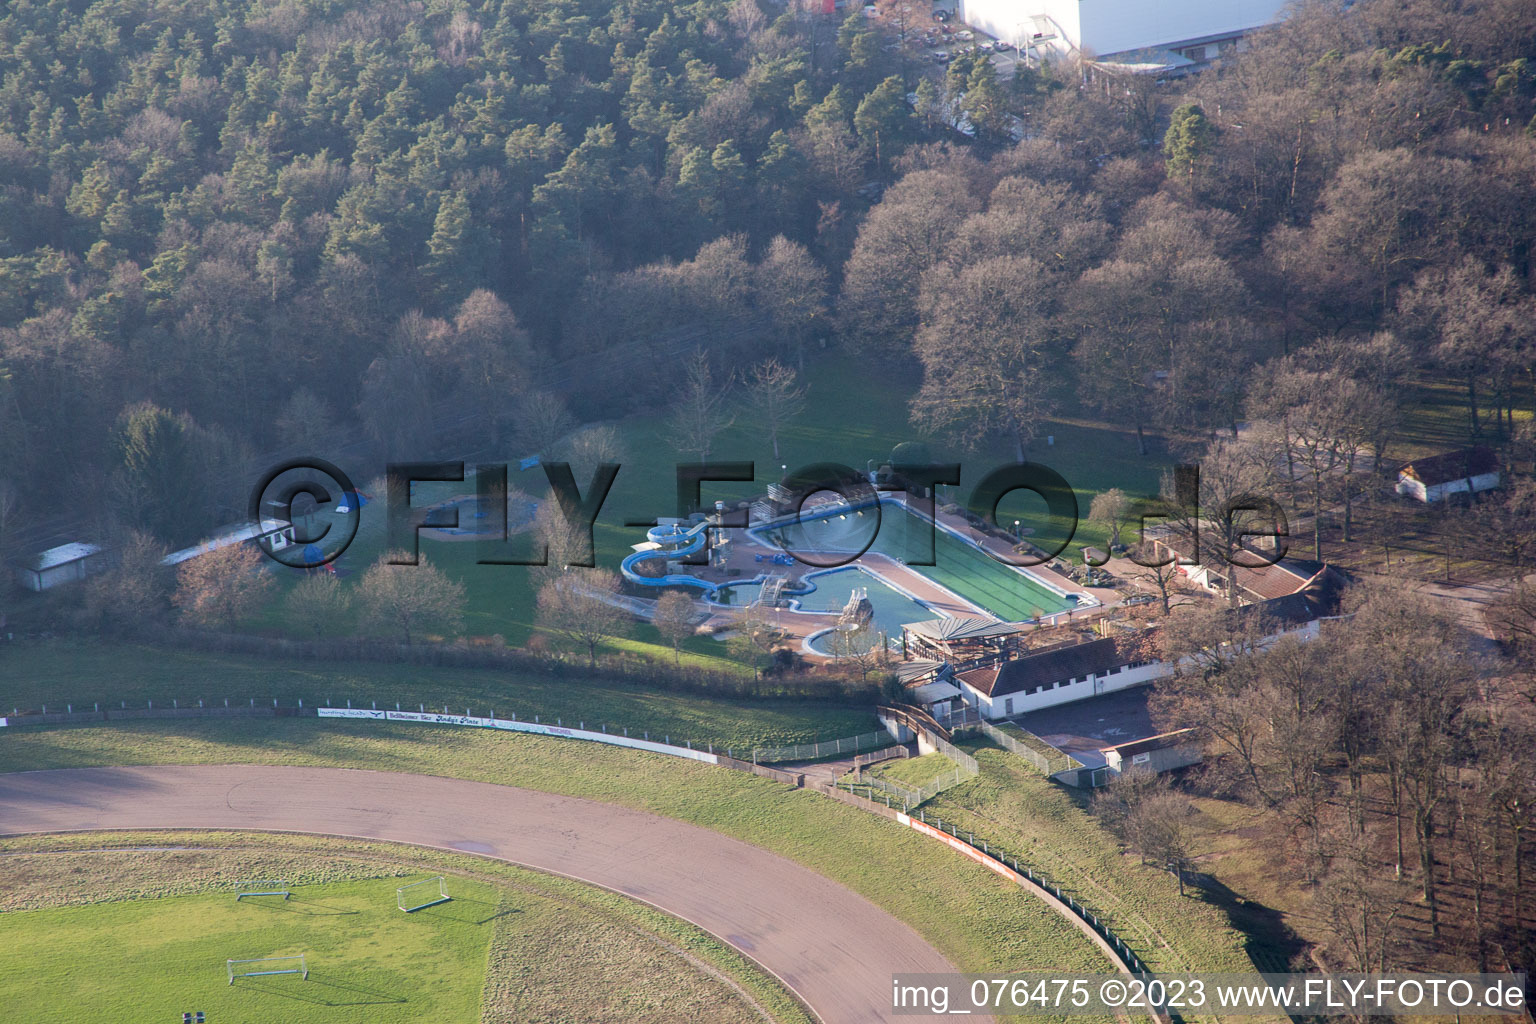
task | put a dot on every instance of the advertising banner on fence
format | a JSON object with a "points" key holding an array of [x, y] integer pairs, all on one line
{"points": [[509, 725], [604, 737], [960, 846]]}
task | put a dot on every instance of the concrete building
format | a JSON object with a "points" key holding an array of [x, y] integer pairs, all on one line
{"points": [[1436, 478], [62, 564], [1149, 31], [1062, 674], [1160, 753], [1073, 672]]}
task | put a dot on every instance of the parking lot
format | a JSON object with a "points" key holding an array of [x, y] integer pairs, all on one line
{"points": [[943, 38], [1089, 725]]}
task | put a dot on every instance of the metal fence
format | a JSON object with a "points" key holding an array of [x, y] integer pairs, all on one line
{"points": [[955, 754], [826, 748], [1046, 759], [876, 756], [1091, 917], [909, 797], [77, 714]]}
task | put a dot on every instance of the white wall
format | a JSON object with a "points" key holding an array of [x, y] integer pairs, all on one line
{"points": [[1082, 689], [1414, 488], [1110, 26], [1094, 685]]}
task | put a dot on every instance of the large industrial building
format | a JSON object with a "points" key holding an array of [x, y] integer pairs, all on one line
{"points": [[1137, 31]]}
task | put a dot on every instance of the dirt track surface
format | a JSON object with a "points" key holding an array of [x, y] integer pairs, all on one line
{"points": [[832, 947]]}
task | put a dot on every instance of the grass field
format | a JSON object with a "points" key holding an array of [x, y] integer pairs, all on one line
{"points": [[154, 959], [136, 926], [914, 772], [1043, 825], [57, 673], [976, 919]]}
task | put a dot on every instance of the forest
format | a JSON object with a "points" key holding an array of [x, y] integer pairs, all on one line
{"points": [[230, 230]]}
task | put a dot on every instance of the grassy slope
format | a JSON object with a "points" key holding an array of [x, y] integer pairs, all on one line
{"points": [[57, 673], [1025, 815], [973, 917], [915, 772], [652, 966]]}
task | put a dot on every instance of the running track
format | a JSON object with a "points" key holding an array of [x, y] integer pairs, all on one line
{"points": [[833, 948]]}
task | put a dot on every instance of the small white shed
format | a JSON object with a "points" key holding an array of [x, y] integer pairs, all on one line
{"points": [[67, 562], [1435, 478]]}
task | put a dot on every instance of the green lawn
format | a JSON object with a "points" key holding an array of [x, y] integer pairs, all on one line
{"points": [[154, 959], [80, 673], [969, 914], [914, 772], [1041, 823], [513, 945]]}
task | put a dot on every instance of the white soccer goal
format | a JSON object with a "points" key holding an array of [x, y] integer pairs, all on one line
{"points": [[264, 966], [420, 895], [263, 887]]}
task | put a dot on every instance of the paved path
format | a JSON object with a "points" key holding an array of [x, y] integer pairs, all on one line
{"points": [[833, 948]]}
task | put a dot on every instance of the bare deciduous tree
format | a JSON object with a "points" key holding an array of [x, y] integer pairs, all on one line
{"points": [[576, 607], [674, 619], [776, 396], [409, 599], [1109, 510], [540, 421], [133, 594], [593, 445], [701, 411], [863, 648], [223, 586], [1162, 574], [318, 605]]}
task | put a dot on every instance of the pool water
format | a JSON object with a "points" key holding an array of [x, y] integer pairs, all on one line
{"points": [[833, 588], [892, 608], [1002, 590]]}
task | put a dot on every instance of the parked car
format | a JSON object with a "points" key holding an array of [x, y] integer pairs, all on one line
{"points": [[1139, 599], [942, 56], [965, 34]]}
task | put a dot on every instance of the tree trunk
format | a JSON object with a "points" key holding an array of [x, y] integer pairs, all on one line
{"points": [[1477, 427], [1141, 439], [1317, 516], [1349, 500], [1426, 830], [1396, 784]]}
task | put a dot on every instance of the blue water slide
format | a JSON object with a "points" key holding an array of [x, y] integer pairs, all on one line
{"points": [[674, 540]]}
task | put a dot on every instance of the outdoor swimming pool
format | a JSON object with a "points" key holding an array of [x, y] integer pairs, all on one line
{"points": [[892, 608], [1005, 591]]}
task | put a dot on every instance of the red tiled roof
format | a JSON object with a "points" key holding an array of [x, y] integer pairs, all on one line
{"points": [[981, 679]]}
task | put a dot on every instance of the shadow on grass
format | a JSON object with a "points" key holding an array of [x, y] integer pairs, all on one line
{"points": [[322, 990], [1267, 939], [463, 910], [295, 905]]}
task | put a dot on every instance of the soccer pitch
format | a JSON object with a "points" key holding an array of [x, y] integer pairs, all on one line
{"points": [[155, 959]]}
